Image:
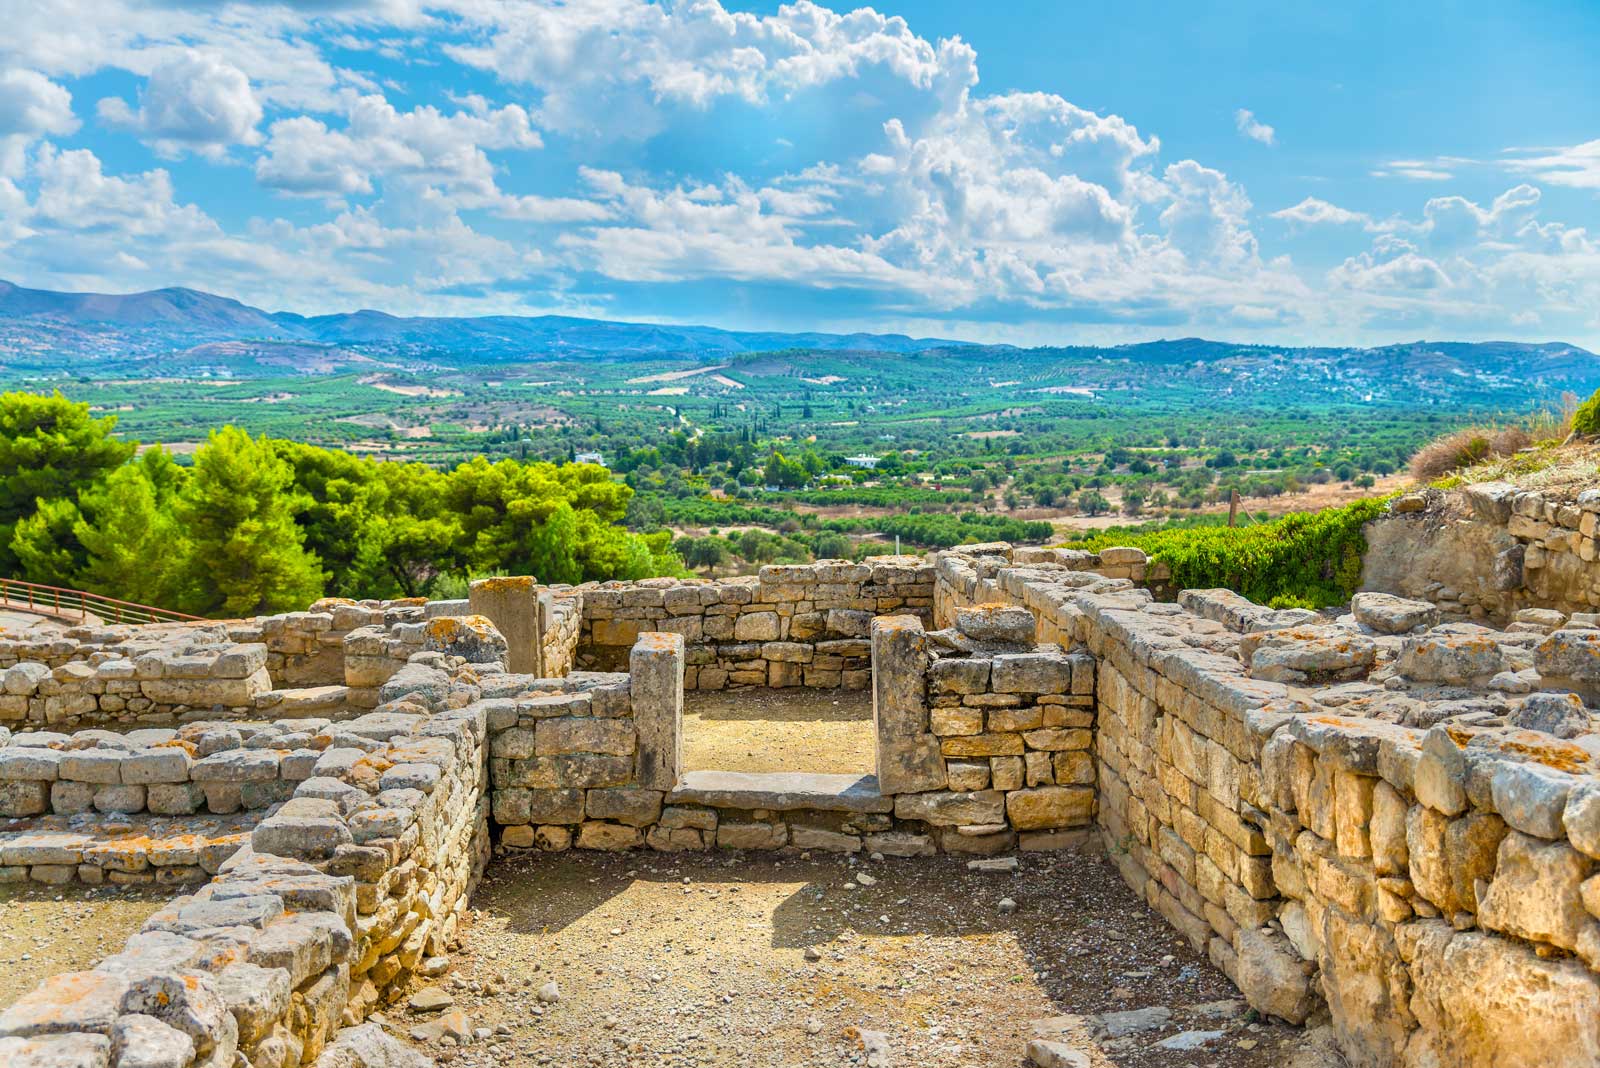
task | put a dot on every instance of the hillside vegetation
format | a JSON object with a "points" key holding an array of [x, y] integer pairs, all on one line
{"points": [[1303, 560]]}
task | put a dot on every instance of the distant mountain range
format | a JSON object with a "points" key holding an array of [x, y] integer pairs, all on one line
{"points": [[75, 326], [167, 331]]}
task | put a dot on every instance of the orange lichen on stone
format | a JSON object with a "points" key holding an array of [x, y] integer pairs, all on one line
{"points": [[661, 640], [506, 584]]}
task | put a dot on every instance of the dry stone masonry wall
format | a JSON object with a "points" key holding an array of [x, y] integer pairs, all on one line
{"points": [[791, 625], [1387, 818], [1376, 816], [1487, 551], [314, 910]]}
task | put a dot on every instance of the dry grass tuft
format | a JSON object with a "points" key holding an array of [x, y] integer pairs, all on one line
{"points": [[1475, 446]]}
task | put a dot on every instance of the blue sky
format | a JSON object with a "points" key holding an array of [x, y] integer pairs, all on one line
{"points": [[1029, 172]]}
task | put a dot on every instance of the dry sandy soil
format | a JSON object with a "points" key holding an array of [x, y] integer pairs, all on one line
{"points": [[782, 961], [795, 729], [45, 930]]}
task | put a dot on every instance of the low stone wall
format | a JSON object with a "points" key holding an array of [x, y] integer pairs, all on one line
{"points": [[981, 735], [314, 916], [116, 684], [790, 625], [202, 767], [1486, 551], [1350, 816]]}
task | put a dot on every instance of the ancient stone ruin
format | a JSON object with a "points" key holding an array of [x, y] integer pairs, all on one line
{"points": [[1386, 819]]}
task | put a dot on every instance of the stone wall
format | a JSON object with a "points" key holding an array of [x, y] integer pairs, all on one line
{"points": [[122, 684], [983, 742], [293, 664], [311, 917], [1351, 816], [790, 625], [1485, 552]]}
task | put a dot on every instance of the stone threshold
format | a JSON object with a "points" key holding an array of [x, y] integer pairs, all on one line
{"points": [[780, 791]]}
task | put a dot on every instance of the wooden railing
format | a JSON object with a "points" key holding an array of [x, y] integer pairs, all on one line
{"points": [[79, 605]]}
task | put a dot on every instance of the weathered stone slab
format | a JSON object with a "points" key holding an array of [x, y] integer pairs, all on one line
{"points": [[781, 791]]}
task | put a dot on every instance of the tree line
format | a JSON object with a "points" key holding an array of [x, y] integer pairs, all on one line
{"points": [[257, 525]]}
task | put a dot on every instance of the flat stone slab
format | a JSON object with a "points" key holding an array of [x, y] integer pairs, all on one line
{"points": [[784, 791]]}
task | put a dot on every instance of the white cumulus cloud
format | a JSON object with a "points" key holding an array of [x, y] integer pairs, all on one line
{"points": [[193, 102]]}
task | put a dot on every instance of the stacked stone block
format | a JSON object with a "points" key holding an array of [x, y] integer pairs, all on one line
{"points": [[151, 686], [1435, 889], [325, 909], [1487, 551], [791, 625]]}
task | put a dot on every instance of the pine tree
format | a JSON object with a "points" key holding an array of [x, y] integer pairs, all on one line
{"points": [[246, 554]]}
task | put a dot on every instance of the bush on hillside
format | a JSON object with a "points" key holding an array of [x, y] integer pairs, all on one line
{"points": [[1586, 420], [1304, 559]]}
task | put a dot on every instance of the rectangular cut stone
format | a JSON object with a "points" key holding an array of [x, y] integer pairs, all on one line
{"points": [[655, 667], [983, 745], [949, 809], [578, 735], [1031, 673], [512, 605], [1048, 807], [781, 791], [910, 765]]}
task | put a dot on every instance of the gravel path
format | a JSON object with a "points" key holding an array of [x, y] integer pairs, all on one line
{"points": [[784, 961], [795, 729], [46, 930]]}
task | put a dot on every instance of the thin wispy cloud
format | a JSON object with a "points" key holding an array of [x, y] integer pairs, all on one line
{"points": [[1247, 124]]}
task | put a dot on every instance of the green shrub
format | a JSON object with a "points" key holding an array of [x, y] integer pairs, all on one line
{"points": [[1303, 560], [1586, 420]]}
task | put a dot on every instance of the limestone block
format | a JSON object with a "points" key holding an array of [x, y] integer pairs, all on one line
{"points": [[804, 837], [996, 622], [1387, 831], [1480, 998], [92, 765], [609, 836], [1439, 778], [1048, 807], [1562, 715], [981, 745], [1536, 891], [757, 627], [512, 605], [1388, 614], [208, 692], [1031, 673], [948, 722], [950, 675], [656, 666], [167, 764], [633, 807], [1454, 659], [24, 798], [952, 809], [737, 835], [1532, 797], [967, 775], [1273, 977], [584, 735], [146, 1042], [118, 798], [1581, 818]]}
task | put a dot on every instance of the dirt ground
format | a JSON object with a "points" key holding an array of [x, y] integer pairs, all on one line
{"points": [[793, 729], [45, 930], [784, 961]]}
